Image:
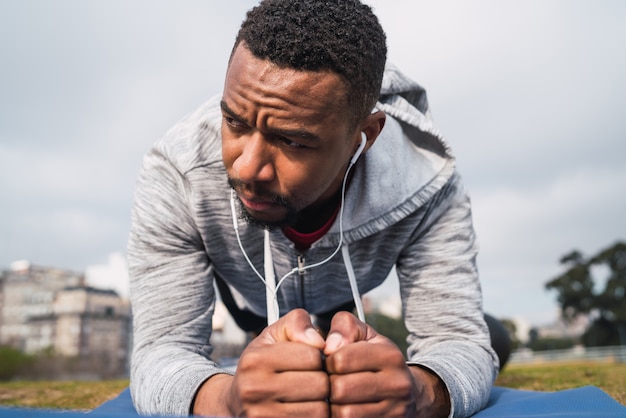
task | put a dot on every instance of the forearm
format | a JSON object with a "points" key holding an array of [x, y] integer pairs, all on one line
{"points": [[212, 399], [165, 382], [172, 350], [443, 305], [432, 398]]}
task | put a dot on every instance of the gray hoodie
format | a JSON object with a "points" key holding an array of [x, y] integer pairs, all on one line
{"points": [[405, 207]]}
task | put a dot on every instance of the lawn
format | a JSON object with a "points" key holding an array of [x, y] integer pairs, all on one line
{"points": [[60, 394], [610, 377]]}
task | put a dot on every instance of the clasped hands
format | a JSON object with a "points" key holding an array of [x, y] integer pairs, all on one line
{"points": [[282, 372]]}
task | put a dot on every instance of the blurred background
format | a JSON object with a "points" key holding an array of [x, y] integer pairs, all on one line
{"points": [[529, 94]]}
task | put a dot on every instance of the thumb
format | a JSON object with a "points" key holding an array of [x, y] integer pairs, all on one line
{"points": [[345, 329], [296, 326]]}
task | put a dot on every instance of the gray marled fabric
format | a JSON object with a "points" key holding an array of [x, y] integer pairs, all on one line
{"points": [[405, 207]]}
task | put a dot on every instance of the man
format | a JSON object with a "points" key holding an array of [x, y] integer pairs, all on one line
{"points": [[304, 157]]}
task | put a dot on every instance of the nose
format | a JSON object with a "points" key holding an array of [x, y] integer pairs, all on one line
{"points": [[255, 163]]}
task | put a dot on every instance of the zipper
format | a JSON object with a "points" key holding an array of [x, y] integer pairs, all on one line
{"points": [[301, 270]]}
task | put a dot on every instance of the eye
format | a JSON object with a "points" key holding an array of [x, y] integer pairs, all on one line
{"points": [[289, 143], [234, 123]]}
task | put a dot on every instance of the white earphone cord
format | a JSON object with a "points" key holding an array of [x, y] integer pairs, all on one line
{"points": [[269, 280]]}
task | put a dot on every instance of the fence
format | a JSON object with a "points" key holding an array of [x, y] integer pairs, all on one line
{"points": [[578, 353]]}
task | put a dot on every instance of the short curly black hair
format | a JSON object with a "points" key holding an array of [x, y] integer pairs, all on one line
{"points": [[342, 36]]}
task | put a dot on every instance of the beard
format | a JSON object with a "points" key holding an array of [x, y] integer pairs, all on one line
{"points": [[287, 220]]}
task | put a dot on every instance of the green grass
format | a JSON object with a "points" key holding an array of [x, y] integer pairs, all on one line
{"points": [[610, 377], [60, 394]]}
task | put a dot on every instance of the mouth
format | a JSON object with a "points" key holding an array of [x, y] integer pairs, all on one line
{"points": [[257, 205], [262, 207], [263, 212]]}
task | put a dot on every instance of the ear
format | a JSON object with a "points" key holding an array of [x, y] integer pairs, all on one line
{"points": [[372, 126]]}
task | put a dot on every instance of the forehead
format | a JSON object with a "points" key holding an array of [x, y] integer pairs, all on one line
{"points": [[256, 86]]}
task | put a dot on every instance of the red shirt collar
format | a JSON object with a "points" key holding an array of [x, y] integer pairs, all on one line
{"points": [[303, 241]]}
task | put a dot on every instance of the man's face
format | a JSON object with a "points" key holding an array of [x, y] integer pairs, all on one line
{"points": [[285, 136]]}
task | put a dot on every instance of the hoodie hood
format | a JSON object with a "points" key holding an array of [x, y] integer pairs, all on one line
{"points": [[408, 163]]}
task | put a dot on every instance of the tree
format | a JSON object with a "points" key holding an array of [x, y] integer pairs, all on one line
{"points": [[551, 343], [12, 361], [601, 333], [579, 293], [575, 286], [612, 300]]}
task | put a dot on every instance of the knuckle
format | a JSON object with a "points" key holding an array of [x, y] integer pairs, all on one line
{"points": [[395, 356], [403, 387], [249, 391], [343, 316], [249, 360], [339, 389], [344, 411], [343, 319], [338, 362], [297, 314]]}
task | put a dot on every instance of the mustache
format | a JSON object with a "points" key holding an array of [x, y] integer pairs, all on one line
{"points": [[260, 192]]}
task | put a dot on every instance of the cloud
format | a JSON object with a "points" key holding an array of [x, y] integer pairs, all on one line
{"points": [[524, 232], [528, 93], [113, 275], [564, 211], [67, 236], [82, 102]]}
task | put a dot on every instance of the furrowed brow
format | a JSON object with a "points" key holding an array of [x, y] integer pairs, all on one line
{"points": [[301, 134], [228, 110]]}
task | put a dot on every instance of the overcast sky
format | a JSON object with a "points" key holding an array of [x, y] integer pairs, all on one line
{"points": [[530, 94]]}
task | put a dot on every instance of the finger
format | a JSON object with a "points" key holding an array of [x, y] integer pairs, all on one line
{"points": [[375, 409], [301, 386], [310, 386], [280, 357], [368, 386], [278, 409], [345, 328], [296, 326], [373, 355]]}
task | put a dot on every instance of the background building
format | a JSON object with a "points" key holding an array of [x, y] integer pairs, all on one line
{"points": [[52, 311]]}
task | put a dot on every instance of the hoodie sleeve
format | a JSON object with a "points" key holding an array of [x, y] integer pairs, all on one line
{"points": [[442, 301], [172, 294]]}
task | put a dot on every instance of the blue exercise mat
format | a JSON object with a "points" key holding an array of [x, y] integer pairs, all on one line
{"points": [[588, 401]]}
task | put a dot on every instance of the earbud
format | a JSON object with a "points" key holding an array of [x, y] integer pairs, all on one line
{"points": [[359, 150]]}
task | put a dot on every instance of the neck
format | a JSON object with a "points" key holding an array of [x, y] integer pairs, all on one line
{"points": [[312, 218]]}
